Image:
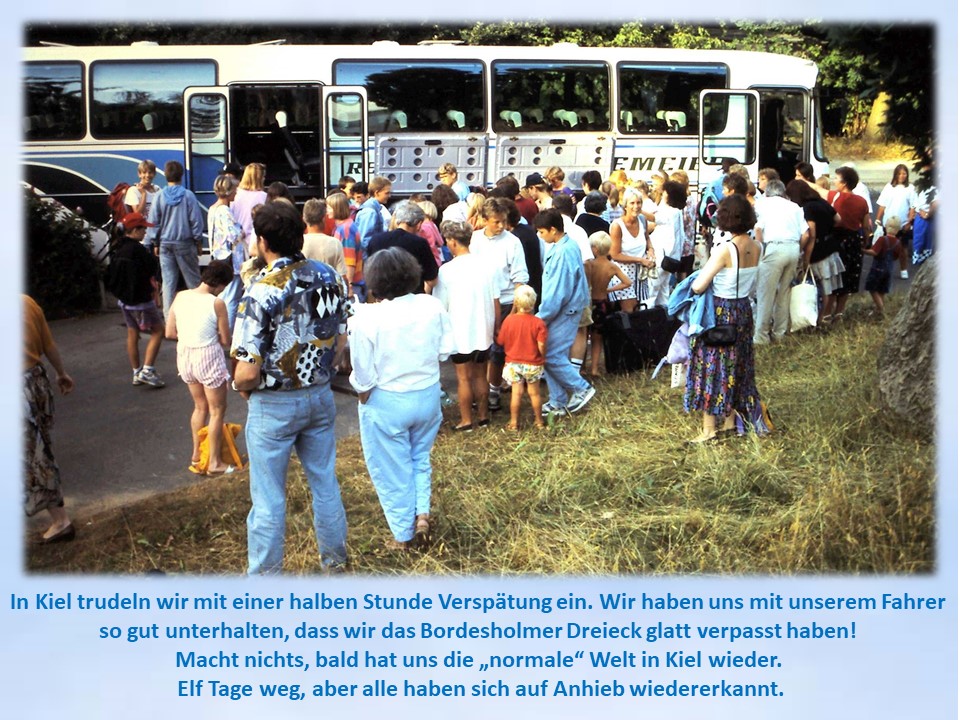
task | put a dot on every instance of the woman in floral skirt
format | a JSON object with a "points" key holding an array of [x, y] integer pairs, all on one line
{"points": [[720, 378]]}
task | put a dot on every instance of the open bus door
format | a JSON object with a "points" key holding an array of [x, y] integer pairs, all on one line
{"points": [[728, 129], [305, 134], [206, 139]]}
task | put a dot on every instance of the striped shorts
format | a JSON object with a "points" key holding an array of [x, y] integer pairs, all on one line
{"points": [[205, 365]]}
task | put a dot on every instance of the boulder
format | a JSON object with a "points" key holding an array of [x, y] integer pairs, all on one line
{"points": [[907, 360]]}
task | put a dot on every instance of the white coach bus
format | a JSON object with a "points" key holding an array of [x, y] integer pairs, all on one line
{"points": [[313, 113]]}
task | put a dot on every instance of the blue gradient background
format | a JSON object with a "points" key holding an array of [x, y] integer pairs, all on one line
{"points": [[901, 665]]}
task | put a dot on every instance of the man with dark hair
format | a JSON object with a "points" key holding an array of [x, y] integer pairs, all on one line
{"points": [[590, 181], [590, 220], [175, 233], [290, 331], [565, 295], [409, 217], [511, 189]]}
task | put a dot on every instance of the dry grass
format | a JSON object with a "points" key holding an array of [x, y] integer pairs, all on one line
{"points": [[847, 148], [839, 488]]}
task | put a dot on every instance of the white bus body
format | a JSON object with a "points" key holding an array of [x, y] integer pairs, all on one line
{"points": [[312, 113]]}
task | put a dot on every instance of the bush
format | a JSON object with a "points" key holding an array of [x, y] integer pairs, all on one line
{"points": [[62, 274]]}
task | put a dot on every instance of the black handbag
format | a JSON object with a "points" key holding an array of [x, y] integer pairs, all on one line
{"points": [[723, 335], [670, 265]]}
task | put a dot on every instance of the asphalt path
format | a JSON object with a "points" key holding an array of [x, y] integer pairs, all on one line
{"points": [[117, 443]]}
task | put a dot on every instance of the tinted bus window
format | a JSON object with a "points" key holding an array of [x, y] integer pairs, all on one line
{"points": [[550, 96], [53, 107], [418, 96], [657, 98], [144, 99]]}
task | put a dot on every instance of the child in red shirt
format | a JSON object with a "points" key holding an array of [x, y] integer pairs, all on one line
{"points": [[524, 338]]}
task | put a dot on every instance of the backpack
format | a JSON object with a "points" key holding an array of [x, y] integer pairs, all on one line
{"points": [[707, 209], [115, 201]]}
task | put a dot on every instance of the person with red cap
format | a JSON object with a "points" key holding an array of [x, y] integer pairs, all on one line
{"points": [[132, 278]]}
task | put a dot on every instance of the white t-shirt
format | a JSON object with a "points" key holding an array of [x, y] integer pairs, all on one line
{"points": [[667, 236], [504, 253], [579, 236], [132, 198], [896, 199], [781, 220], [465, 289], [397, 345]]}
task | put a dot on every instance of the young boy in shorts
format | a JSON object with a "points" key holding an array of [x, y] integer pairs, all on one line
{"points": [[601, 272], [524, 339], [132, 278]]}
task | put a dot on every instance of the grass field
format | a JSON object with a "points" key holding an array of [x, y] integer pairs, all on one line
{"points": [[838, 488]]}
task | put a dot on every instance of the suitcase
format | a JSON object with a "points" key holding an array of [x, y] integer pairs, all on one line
{"points": [[637, 339]]}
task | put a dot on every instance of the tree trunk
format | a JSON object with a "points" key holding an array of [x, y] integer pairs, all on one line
{"points": [[907, 359], [878, 115]]}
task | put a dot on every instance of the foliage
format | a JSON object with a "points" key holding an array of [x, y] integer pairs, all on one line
{"points": [[840, 487], [62, 275]]}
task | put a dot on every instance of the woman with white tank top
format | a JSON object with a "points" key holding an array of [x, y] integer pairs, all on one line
{"points": [[720, 378], [198, 321], [630, 247]]}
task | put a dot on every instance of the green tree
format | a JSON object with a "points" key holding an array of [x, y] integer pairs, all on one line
{"points": [[62, 275]]}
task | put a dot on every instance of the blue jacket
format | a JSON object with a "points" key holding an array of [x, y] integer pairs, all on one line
{"points": [[177, 216], [369, 222], [695, 310], [565, 288]]}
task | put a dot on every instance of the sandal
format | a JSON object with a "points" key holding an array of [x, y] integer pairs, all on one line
{"points": [[704, 439], [397, 545], [228, 470], [197, 469], [422, 530]]}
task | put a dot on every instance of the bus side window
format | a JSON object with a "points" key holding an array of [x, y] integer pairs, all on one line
{"points": [[663, 97], [551, 95], [53, 108]]}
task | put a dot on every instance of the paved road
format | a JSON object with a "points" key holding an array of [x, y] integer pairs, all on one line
{"points": [[116, 442]]}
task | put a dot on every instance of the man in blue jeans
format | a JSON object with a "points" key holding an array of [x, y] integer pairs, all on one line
{"points": [[177, 233], [565, 295], [291, 326]]}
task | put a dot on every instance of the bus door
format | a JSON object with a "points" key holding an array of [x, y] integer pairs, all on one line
{"points": [[206, 137], [728, 129], [304, 134], [784, 115], [411, 160], [345, 133], [522, 154]]}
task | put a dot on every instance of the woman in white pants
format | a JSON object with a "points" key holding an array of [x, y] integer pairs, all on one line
{"points": [[784, 233]]}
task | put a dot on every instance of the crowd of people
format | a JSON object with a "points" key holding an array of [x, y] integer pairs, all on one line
{"points": [[512, 284]]}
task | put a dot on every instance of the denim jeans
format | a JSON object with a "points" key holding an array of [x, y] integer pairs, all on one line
{"points": [[562, 377], [174, 257], [231, 296], [277, 422], [397, 430]]}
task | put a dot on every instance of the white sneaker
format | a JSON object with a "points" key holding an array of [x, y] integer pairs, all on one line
{"points": [[549, 408], [581, 398], [151, 378], [904, 274], [136, 378]]}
